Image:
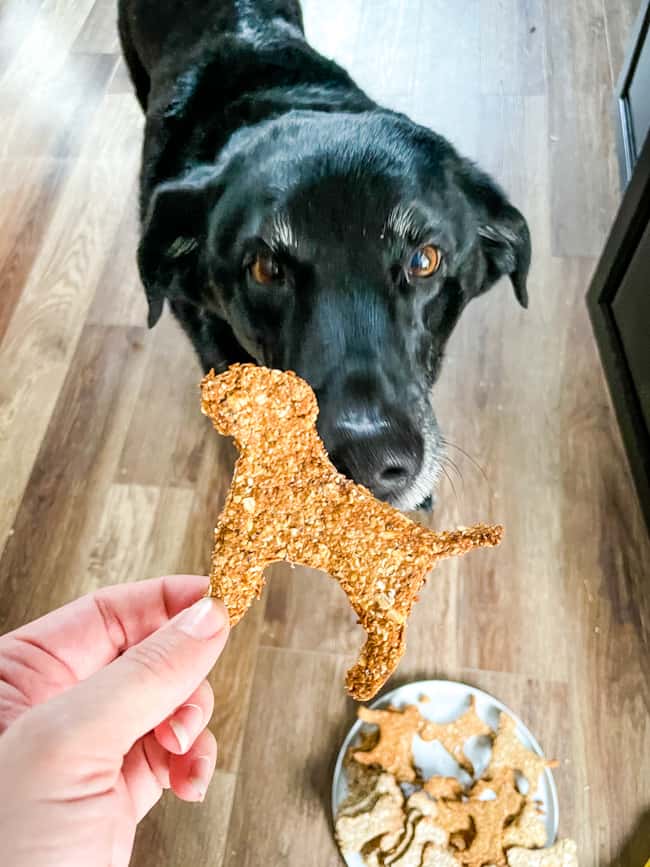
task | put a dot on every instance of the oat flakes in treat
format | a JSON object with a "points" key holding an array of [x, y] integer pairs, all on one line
{"points": [[454, 817], [405, 839], [444, 788], [455, 734], [563, 854], [384, 817], [458, 841], [419, 807], [488, 819], [421, 802], [426, 831], [509, 752], [527, 830], [420, 830], [394, 751], [361, 778], [287, 502], [360, 802], [434, 856], [390, 842], [371, 857]]}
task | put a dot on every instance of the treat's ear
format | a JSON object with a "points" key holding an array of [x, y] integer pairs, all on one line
{"points": [[503, 235], [293, 400], [173, 230], [217, 400]]}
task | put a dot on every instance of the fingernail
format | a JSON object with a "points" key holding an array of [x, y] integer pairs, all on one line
{"points": [[203, 620], [200, 776], [186, 724]]}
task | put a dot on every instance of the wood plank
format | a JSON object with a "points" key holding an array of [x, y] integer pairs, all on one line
{"points": [[31, 189], [307, 610], [45, 558], [140, 534], [121, 81], [298, 736], [120, 549], [119, 296], [43, 52], [520, 583], [395, 24], [99, 32], [41, 338], [493, 459], [178, 833], [619, 21], [334, 30], [16, 20], [605, 561], [512, 47], [584, 173], [168, 432], [51, 120], [164, 552], [447, 62]]}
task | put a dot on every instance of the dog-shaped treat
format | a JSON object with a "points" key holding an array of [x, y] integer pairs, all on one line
{"points": [[288, 502]]}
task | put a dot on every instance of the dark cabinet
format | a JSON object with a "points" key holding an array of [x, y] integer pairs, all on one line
{"points": [[631, 312], [633, 96], [619, 296]]}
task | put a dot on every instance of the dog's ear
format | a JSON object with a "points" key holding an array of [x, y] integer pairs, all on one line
{"points": [[503, 235], [173, 230]]}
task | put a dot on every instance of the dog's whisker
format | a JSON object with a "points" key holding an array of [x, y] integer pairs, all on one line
{"points": [[469, 457], [449, 479], [452, 463]]}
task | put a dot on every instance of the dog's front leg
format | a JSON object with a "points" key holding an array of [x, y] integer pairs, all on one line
{"points": [[236, 575]]}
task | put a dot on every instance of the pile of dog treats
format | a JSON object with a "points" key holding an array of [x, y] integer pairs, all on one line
{"points": [[394, 817]]}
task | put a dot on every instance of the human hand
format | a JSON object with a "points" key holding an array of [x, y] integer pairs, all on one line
{"points": [[103, 704]]}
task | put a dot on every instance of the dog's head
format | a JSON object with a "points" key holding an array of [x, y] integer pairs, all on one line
{"points": [[343, 247]]}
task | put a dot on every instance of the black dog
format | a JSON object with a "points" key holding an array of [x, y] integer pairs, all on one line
{"points": [[289, 220]]}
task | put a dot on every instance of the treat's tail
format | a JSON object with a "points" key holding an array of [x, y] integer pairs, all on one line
{"points": [[454, 542]]}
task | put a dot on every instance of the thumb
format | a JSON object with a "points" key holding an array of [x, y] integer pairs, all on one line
{"points": [[136, 692]]}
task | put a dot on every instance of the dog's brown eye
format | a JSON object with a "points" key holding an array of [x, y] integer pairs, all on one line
{"points": [[424, 262], [264, 269]]}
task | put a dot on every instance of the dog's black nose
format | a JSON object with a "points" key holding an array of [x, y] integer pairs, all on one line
{"points": [[384, 461]]}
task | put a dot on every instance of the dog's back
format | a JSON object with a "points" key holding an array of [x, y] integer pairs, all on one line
{"points": [[162, 38]]}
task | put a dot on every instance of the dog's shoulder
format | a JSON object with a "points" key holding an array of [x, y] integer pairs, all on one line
{"points": [[233, 83]]}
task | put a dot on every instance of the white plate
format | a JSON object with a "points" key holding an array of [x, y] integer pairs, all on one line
{"points": [[447, 701]]}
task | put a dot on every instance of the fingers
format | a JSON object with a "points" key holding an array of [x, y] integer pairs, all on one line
{"points": [[157, 759], [178, 733], [136, 692], [148, 769], [146, 773], [180, 748], [87, 634], [190, 774]]}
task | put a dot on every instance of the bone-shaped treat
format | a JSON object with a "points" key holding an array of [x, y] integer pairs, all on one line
{"points": [[287, 502]]}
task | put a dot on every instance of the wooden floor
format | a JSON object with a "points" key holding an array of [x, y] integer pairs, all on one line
{"points": [[108, 472]]}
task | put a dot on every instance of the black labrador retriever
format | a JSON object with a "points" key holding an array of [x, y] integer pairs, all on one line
{"points": [[291, 221]]}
